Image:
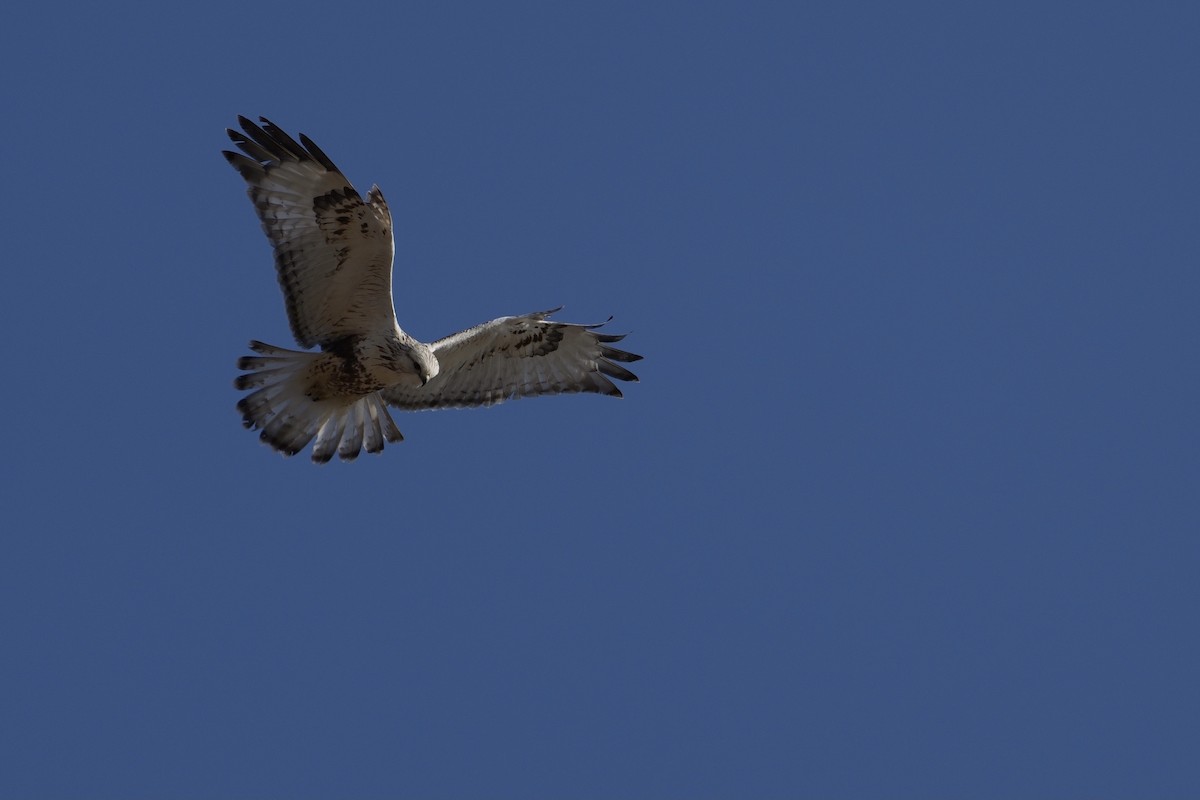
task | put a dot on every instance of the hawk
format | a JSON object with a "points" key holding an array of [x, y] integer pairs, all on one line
{"points": [[333, 258]]}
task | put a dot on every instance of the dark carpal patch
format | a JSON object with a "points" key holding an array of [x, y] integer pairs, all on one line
{"points": [[541, 342], [335, 200]]}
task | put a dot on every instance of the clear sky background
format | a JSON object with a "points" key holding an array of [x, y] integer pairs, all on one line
{"points": [[905, 505]]}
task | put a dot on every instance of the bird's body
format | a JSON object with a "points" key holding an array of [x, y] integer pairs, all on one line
{"points": [[333, 257]]}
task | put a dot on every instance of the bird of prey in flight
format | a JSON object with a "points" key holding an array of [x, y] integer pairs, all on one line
{"points": [[333, 258]]}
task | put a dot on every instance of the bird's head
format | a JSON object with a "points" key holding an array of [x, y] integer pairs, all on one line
{"points": [[425, 363]]}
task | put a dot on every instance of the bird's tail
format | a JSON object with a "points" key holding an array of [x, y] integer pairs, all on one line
{"points": [[289, 419]]}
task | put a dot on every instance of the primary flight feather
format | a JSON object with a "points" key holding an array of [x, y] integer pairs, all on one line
{"points": [[333, 257]]}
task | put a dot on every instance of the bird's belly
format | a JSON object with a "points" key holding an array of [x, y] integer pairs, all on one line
{"points": [[357, 368]]}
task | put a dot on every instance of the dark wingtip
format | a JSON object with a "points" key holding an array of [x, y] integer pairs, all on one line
{"points": [[326, 162], [546, 313], [595, 325], [615, 371], [619, 355]]}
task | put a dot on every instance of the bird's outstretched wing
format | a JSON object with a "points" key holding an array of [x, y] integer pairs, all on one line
{"points": [[333, 251], [514, 357]]}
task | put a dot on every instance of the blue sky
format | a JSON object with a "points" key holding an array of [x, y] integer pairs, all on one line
{"points": [[905, 504]]}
